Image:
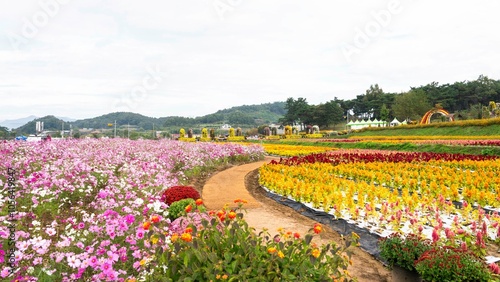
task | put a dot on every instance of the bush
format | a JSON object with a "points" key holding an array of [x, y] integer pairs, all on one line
{"points": [[403, 251], [176, 193], [451, 264], [177, 209], [238, 254]]}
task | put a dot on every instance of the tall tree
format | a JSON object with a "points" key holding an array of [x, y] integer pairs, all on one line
{"points": [[384, 113], [327, 114], [297, 111], [411, 105]]}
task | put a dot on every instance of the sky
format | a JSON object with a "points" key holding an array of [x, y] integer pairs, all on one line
{"points": [[82, 59]]}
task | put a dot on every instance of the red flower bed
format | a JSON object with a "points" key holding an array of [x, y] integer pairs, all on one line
{"points": [[395, 157], [176, 193]]}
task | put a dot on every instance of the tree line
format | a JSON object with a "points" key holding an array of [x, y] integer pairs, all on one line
{"points": [[466, 99]]}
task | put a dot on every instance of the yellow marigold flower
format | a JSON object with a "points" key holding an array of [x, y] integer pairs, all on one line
{"points": [[217, 276], [186, 237], [154, 239], [174, 237], [142, 262], [315, 253], [281, 254]]}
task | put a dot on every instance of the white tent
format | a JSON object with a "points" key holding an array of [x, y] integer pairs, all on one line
{"points": [[395, 122]]}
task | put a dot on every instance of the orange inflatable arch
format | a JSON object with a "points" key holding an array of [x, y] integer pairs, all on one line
{"points": [[426, 119]]}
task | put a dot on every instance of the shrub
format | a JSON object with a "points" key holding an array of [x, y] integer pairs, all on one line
{"points": [[177, 209], [238, 254], [403, 251], [176, 193], [451, 264]]}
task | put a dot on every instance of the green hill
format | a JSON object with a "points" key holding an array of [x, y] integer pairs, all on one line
{"points": [[246, 116]]}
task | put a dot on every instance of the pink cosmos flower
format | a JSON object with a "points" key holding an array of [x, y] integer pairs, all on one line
{"points": [[112, 256], [50, 231], [74, 262]]}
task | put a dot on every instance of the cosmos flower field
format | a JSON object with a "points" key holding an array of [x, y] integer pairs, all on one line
{"points": [[74, 209]]}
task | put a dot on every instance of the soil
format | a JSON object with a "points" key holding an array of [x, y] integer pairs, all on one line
{"points": [[241, 182]]}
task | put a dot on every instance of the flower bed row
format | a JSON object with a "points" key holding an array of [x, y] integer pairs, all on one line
{"points": [[79, 205], [370, 190]]}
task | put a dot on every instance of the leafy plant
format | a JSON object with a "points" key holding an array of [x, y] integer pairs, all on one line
{"points": [[451, 264], [237, 253], [403, 251], [176, 193], [178, 208]]}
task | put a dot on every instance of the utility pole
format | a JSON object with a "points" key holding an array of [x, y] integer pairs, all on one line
{"points": [[115, 128], [62, 130]]}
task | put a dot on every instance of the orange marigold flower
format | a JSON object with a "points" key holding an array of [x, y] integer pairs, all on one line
{"points": [[186, 237], [199, 202], [315, 253], [188, 208], [146, 225], [296, 235], [231, 215], [188, 229], [224, 277], [221, 214], [155, 219], [317, 228], [174, 237], [271, 250]]}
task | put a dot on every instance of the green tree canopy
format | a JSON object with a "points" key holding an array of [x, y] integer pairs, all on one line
{"points": [[413, 105]]}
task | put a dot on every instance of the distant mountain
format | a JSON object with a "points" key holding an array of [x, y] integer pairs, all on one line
{"points": [[241, 116], [16, 123], [50, 123]]}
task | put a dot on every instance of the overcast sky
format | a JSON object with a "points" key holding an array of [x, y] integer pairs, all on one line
{"points": [[83, 59]]}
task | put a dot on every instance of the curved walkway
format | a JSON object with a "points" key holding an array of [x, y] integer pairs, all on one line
{"points": [[228, 185]]}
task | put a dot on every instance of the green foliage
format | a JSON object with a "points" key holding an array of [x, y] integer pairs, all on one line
{"points": [[413, 105], [177, 209], [403, 251], [451, 264], [238, 254]]}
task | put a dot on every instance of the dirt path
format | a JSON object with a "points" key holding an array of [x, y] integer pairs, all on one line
{"points": [[262, 212]]}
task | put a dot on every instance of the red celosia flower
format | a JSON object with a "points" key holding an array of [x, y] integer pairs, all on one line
{"points": [[176, 193]]}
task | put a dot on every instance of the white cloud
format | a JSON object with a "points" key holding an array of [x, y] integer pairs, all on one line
{"points": [[89, 54]]}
